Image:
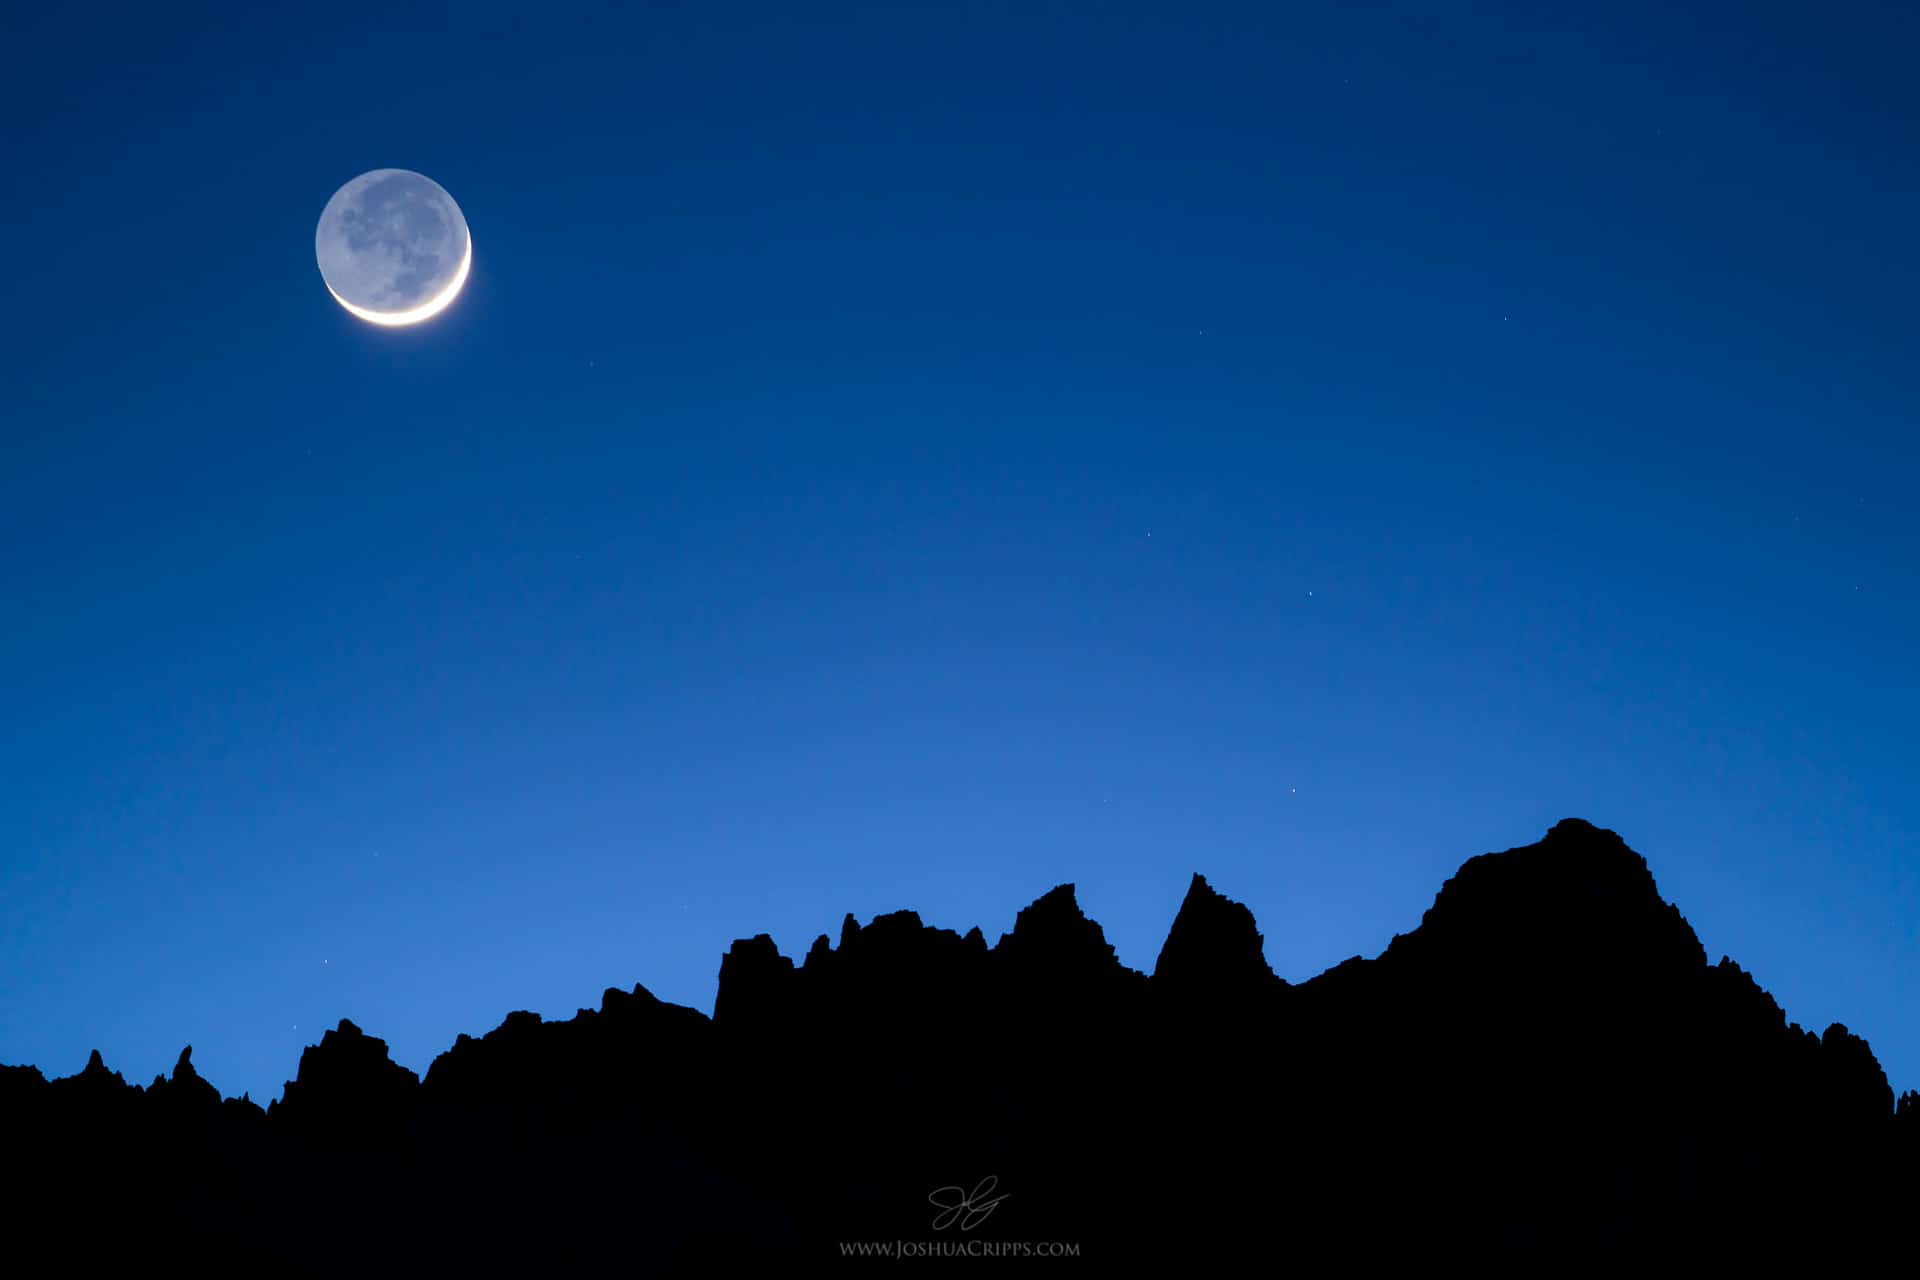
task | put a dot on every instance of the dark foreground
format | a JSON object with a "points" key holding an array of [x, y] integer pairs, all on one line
{"points": [[1547, 1069]]}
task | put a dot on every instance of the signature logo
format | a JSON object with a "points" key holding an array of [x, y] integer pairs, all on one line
{"points": [[968, 1208]]}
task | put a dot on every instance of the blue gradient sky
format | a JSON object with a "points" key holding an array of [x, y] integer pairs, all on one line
{"points": [[910, 457]]}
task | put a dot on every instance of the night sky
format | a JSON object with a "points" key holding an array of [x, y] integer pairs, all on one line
{"points": [[894, 457]]}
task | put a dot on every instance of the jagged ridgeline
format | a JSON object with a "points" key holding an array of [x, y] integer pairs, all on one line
{"points": [[1546, 1067]]}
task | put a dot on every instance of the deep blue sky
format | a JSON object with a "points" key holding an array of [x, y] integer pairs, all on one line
{"points": [[895, 457]]}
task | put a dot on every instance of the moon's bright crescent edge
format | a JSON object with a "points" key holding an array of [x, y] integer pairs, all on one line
{"points": [[426, 310]]}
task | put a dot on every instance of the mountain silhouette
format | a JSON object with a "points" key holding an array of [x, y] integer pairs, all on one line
{"points": [[1545, 1070]]}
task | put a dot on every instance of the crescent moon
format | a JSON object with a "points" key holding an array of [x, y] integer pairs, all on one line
{"points": [[426, 310], [393, 247]]}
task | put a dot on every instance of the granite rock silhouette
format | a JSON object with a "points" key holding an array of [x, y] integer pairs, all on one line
{"points": [[1214, 952], [1545, 1069]]}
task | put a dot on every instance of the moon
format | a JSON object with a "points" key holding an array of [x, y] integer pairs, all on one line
{"points": [[393, 247]]}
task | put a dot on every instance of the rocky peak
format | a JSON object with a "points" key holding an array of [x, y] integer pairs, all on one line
{"points": [[1214, 946], [1054, 938], [95, 1078], [755, 981], [347, 1086], [1578, 894], [186, 1087]]}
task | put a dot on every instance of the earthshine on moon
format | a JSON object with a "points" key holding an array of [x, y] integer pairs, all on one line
{"points": [[393, 247]]}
